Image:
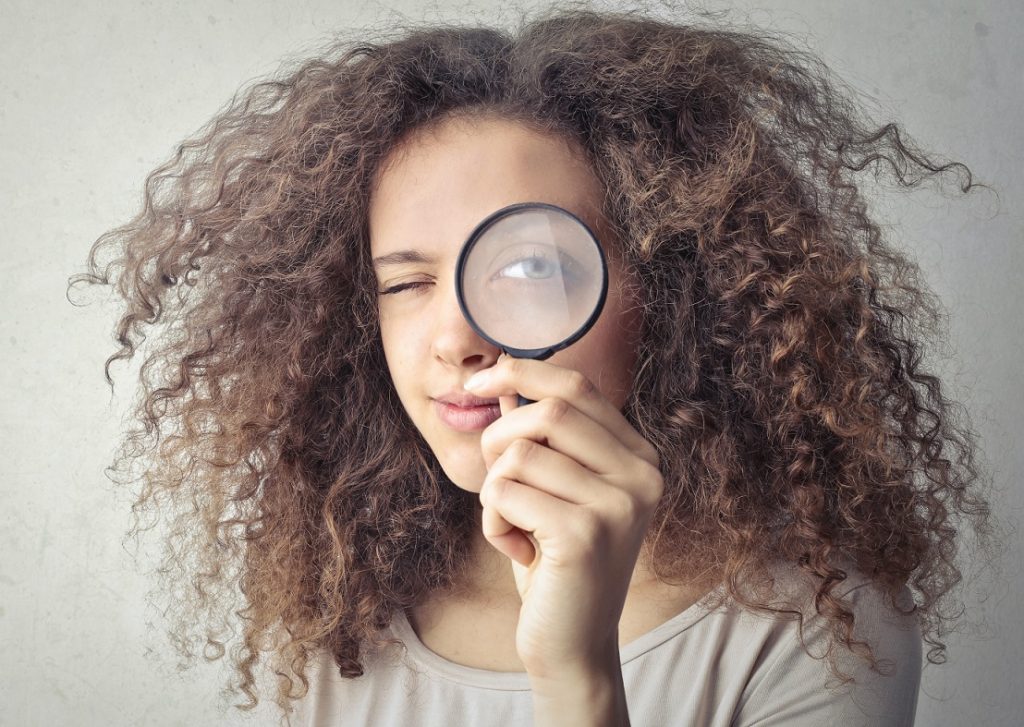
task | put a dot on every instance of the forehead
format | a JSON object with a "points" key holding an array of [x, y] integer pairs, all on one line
{"points": [[438, 184]]}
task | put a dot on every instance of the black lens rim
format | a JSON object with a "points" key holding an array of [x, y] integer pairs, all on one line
{"points": [[460, 264]]}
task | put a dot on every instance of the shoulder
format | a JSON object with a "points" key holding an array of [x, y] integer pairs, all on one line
{"points": [[795, 685], [880, 617]]}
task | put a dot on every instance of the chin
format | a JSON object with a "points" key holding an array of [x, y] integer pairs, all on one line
{"points": [[459, 456], [465, 475]]}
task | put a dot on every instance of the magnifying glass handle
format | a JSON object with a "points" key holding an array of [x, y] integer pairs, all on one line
{"points": [[522, 400]]}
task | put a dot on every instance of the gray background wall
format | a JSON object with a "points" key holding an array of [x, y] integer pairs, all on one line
{"points": [[95, 94]]}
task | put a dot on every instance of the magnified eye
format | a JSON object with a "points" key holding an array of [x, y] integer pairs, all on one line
{"points": [[533, 267], [538, 266]]}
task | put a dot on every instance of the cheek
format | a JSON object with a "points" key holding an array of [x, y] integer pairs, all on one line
{"points": [[391, 338], [401, 340], [607, 353]]}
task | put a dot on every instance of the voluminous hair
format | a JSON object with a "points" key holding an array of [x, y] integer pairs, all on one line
{"points": [[779, 376]]}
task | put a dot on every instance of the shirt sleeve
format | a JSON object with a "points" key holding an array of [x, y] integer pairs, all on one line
{"points": [[799, 690]]}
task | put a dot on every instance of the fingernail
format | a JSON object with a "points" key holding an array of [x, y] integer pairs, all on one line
{"points": [[477, 380]]}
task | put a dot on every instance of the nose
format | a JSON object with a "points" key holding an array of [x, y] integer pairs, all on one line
{"points": [[454, 342]]}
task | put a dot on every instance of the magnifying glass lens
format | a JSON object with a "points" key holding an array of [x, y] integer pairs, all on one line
{"points": [[533, 278]]}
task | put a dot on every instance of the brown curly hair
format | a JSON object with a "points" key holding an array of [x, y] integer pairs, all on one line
{"points": [[779, 376]]}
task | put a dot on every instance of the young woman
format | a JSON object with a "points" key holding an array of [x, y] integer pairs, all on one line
{"points": [[735, 487]]}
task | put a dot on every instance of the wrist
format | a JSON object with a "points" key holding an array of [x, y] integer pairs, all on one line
{"points": [[592, 696]]}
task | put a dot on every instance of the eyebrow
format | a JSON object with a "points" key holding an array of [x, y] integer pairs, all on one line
{"points": [[401, 256]]}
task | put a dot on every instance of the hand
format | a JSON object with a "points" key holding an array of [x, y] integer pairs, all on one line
{"points": [[569, 494]]}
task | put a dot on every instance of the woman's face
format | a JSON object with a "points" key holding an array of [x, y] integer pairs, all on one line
{"points": [[428, 199]]}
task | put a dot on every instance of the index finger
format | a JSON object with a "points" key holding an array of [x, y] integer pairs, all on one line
{"points": [[537, 380]]}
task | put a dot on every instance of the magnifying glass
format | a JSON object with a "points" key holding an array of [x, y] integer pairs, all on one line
{"points": [[532, 279]]}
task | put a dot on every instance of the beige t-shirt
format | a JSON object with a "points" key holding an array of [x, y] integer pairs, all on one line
{"points": [[720, 668]]}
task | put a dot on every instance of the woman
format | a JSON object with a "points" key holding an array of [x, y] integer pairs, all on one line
{"points": [[734, 480]]}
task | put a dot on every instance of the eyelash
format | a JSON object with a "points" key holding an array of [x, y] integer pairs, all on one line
{"points": [[403, 286]]}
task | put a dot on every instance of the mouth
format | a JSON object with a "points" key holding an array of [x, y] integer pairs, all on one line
{"points": [[473, 418]]}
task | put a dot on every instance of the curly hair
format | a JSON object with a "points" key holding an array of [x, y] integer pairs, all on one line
{"points": [[779, 375]]}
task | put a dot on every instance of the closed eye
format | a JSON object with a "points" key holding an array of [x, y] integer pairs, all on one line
{"points": [[403, 286]]}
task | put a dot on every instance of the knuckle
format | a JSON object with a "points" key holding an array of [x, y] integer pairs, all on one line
{"points": [[555, 409], [491, 436], [513, 365], [498, 488], [521, 450], [625, 507], [486, 438], [492, 489], [654, 483], [653, 473], [581, 386], [653, 456]]}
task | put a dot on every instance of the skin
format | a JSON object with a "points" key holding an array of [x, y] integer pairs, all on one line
{"points": [[567, 486]]}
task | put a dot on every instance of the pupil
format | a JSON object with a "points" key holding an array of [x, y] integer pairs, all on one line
{"points": [[536, 266]]}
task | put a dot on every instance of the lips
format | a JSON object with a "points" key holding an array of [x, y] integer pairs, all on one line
{"points": [[468, 418], [466, 400]]}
